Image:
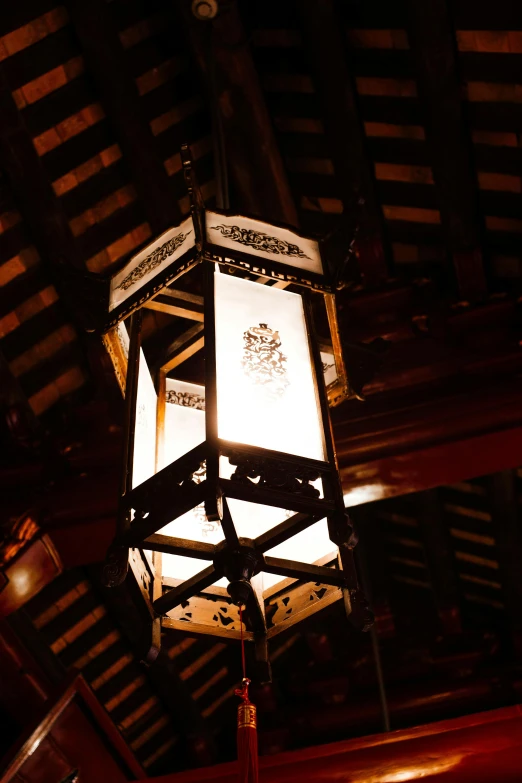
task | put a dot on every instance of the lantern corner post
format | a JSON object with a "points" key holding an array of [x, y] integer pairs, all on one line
{"points": [[213, 493], [340, 528], [117, 560]]}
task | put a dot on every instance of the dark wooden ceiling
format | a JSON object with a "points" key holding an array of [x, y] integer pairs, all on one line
{"points": [[416, 113], [406, 114]]}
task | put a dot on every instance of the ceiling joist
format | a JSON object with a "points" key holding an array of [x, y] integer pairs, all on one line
{"points": [[433, 44], [106, 59], [334, 84]]}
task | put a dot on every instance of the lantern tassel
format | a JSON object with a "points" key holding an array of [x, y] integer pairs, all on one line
{"points": [[246, 725], [246, 736]]}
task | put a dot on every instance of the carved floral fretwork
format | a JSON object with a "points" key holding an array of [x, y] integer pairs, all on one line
{"points": [[150, 500], [211, 610], [290, 603], [258, 240], [153, 260], [185, 399], [208, 528], [274, 474]]}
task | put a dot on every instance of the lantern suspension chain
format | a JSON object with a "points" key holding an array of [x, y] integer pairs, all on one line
{"points": [[218, 133]]}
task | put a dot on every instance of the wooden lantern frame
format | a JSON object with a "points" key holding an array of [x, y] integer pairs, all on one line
{"points": [[171, 492]]}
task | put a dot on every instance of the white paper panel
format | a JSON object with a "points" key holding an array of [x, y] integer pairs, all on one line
{"points": [[184, 419], [253, 519], [178, 567], [329, 369], [308, 546], [150, 261], [145, 432], [266, 394], [185, 429], [264, 241]]}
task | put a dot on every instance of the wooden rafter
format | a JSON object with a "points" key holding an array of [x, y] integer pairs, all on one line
{"points": [[34, 194], [123, 602], [343, 126], [106, 59], [434, 49]]}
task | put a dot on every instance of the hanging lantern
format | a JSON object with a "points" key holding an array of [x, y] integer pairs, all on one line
{"points": [[231, 495]]}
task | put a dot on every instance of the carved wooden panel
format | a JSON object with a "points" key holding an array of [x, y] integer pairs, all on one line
{"points": [[215, 615], [143, 571], [294, 604]]}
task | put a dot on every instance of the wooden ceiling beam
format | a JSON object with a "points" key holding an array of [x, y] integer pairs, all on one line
{"points": [[254, 158], [335, 87], [435, 52], [106, 59], [33, 191], [42, 210]]}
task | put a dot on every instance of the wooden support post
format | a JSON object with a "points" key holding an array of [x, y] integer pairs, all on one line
{"points": [[106, 59], [435, 52], [322, 33]]}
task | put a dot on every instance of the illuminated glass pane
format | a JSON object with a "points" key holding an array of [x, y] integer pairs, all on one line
{"points": [[145, 431], [266, 392], [178, 567], [184, 419], [185, 429], [329, 368], [253, 519], [312, 545]]}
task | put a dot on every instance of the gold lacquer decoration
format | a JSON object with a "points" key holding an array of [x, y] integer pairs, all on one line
{"points": [[263, 360], [247, 716]]}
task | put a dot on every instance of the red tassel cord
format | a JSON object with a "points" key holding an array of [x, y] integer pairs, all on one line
{"points": [[246, 725]]}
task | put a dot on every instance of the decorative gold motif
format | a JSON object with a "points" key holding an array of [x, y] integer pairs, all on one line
{"points": [[153, 260], [274, 474], [246, 716], [263, 361], [261, 241], [185, 399], [327, 366]]}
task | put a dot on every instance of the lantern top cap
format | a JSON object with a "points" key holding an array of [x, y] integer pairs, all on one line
{"points": [[257, 247]]}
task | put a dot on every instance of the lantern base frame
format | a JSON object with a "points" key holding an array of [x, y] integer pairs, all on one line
{"points": [[281, 480]]}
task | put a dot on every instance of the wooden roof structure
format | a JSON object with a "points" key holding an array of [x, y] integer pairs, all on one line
{"points": [[407, 115]]}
